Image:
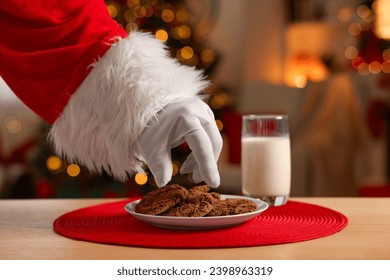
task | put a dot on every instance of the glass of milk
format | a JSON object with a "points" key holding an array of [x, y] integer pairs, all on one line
{"points": [[266, 158]]}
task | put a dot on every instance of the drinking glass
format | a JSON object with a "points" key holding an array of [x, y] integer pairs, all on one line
{"points": [[266, 158]]}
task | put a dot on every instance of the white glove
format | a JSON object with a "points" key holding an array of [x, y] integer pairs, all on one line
{"points": [[190, 120]]}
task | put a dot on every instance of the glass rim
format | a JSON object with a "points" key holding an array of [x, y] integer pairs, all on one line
{"points": [[265, 116]]}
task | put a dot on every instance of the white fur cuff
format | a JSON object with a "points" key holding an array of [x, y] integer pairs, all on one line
{"points": [[134, 80]]}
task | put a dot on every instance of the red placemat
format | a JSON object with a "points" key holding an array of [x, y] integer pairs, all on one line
{"points": [[109, 223]]}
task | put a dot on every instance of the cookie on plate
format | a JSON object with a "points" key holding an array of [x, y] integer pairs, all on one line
{"points": [[190, 209], [162, 199], [201, 193], [231, 206], [197, 203]]}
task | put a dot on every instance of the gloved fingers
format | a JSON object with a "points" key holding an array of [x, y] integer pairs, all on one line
{"points": [[202, 150], [196, 176], [215, 138], [188, 165], [161, 168]]}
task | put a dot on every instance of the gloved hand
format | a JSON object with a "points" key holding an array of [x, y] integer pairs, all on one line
{"points": [[185, 119]]}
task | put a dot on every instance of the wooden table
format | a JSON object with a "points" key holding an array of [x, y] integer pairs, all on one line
{"points": [[26, 233]]}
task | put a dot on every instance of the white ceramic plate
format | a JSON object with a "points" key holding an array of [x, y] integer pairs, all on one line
{"points": [[199, 222]]}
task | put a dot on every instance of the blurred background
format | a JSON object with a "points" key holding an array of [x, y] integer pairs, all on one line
{"points": [[325, 63]]}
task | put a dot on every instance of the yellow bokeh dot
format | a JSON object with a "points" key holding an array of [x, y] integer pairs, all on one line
{"points": [[219, 124], [112, 10], [187, 52], [132, 26], [13, 125], [386, 54], [139, 11], [386, 67], [182, 15], [175, 168], [344, 14], [219, 100], [355, 29], [363, 69], [351, 52], [375, 67], [132, 3], [53, 163], [73, 170], [184, 32], [141, 178], [167, 15], [162, 35], [129, 16], [207, 56], [363, 11]]}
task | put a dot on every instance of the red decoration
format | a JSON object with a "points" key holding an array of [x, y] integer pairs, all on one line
{"points": [[371, 48], [375, 191], [376, 118], [44, 189], [232, 127]]}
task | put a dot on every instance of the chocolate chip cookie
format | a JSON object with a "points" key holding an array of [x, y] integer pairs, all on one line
{"points": [[162, 199], [232, 206], [190, 209], [201, 193], [175, 200], [197, 203]]}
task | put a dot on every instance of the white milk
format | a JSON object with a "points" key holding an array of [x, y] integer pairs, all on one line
{"points": [[266, 166]]}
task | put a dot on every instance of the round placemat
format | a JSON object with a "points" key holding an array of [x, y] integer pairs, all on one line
{"points": [[109, 223]]}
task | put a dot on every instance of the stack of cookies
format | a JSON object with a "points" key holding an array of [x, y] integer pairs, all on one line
{"points": [[175, 200]]}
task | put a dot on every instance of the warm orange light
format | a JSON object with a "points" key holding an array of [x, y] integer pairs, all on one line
{"points": [[382, 23], [13, 125], [375, 67], [386, 67], [187, 52], [363, 11], [141, 178], [167, 15], [182, 15], [162, 35], [132, 3], [207, 56], [139, 12], [112, 10], [386, 55], [363, 69], [304, 67], [53, 163], [351, 52], [355, 29], [73, 170], [183, 32], [175, 168], [219, 124]]}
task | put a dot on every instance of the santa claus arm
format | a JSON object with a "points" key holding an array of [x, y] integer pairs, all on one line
{"points": [[123, 94], [103, 90]]}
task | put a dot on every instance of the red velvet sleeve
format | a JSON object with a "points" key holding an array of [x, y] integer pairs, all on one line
{"points": [[47, 47]]}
